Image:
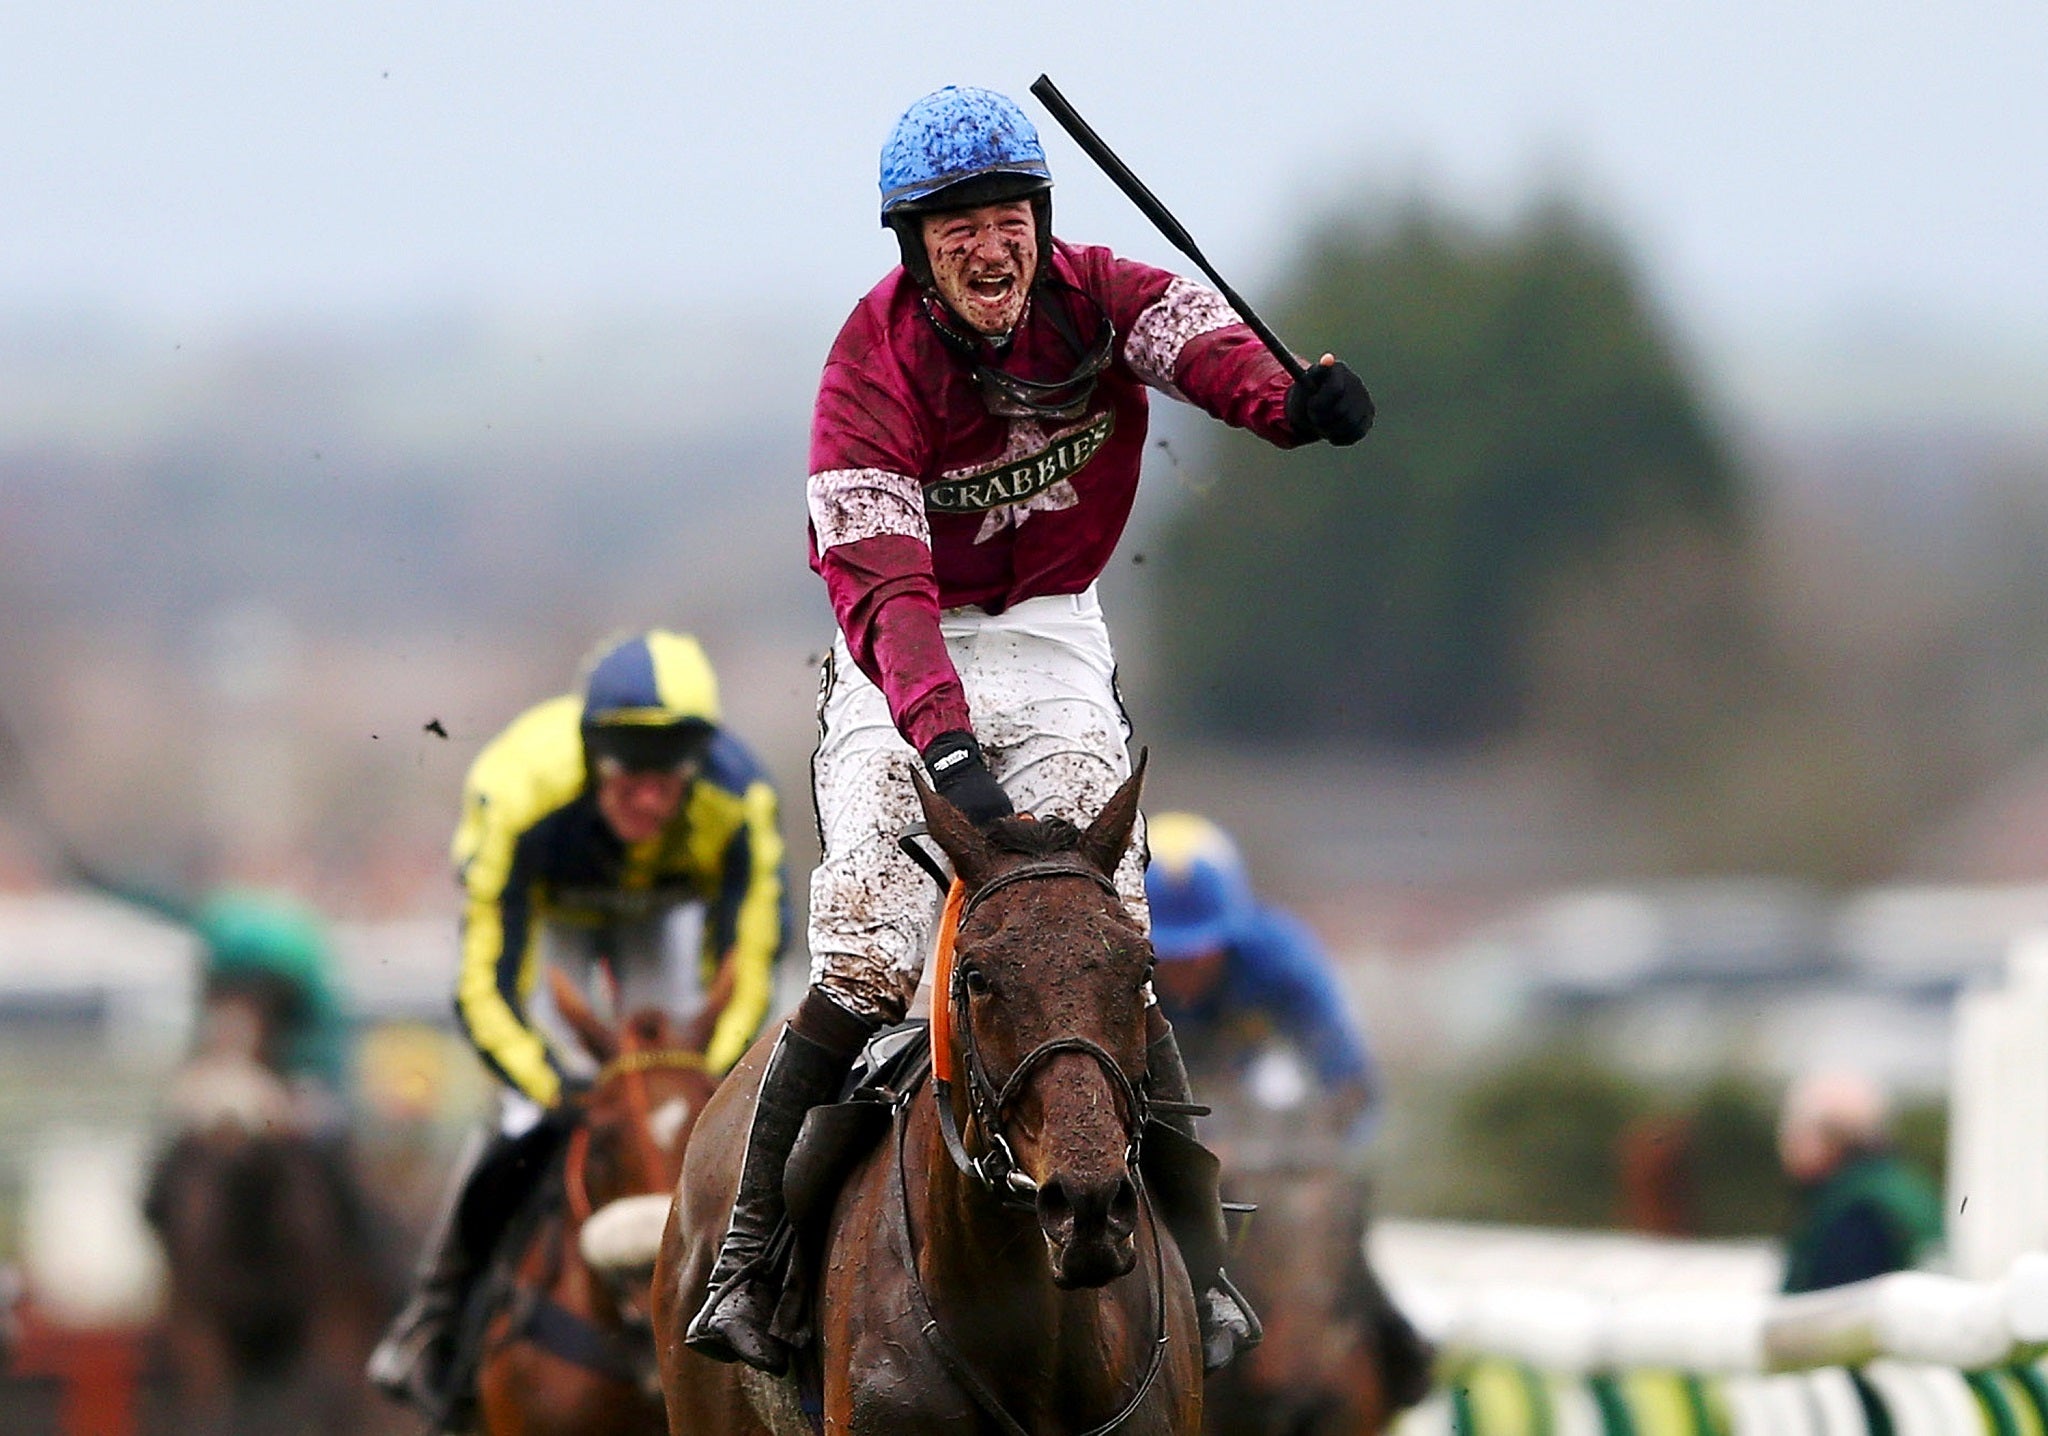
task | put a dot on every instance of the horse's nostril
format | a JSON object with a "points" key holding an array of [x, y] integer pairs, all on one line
{"points": [[1055, 1207], [1123, 1207]]}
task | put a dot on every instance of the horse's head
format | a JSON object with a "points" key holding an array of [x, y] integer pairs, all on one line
{"points": [[1048, 1021], [651, 1086]]}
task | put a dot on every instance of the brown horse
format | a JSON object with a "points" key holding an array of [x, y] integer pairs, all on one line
{"points": [[996, 1264], [571, 1352], [275, 1279], [1338, 1359], [1323, 1368]]}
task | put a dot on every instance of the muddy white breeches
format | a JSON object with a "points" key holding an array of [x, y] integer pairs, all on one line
{"points": [[1041, 685]]}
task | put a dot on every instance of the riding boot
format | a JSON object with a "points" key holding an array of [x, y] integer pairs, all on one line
{"points": [[1186, 1179], [810, 1060], [410, 1363]]}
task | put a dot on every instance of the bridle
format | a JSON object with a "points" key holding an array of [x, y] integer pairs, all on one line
{"points": [[997, 1169], [988, 1101], [631, 1067]]}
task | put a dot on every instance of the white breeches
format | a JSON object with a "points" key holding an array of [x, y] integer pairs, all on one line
{"points": [[1041, 685]]}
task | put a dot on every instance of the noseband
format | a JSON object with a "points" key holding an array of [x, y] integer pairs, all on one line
{"points": [[997, 1169]]}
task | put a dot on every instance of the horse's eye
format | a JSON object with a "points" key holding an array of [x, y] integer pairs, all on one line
{"points": [[977, 982]]}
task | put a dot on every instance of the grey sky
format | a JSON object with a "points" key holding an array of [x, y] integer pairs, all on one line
{"points": [[1784, 167]]}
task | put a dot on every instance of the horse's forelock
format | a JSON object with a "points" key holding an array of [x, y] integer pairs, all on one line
{"points": [[1034, 837]]}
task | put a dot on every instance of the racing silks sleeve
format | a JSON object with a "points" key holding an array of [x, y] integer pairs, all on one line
{"points": [[870, 539], [748, 921], [1292, 980], [517, 782], [1183, 339]]}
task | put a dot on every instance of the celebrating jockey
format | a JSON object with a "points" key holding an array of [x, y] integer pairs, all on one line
{"points": [[585, 825], [974, 456], [1235, 974]]}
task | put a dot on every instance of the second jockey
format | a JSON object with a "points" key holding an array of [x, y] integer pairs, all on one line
{"points": [[586, 824], [975, 451]]}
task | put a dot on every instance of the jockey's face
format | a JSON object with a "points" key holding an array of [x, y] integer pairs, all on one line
{"points": [[1187, 980], [637, 804], [983, 261]]}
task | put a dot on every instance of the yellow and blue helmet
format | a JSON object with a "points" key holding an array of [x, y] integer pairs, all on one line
{"points": [[650, 702], [1200, 893]]}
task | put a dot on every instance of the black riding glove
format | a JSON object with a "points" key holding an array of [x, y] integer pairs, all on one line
{"points": [[961, 776], [1329, 402]]}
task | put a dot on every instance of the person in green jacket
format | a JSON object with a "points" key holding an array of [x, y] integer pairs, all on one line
{"points": [[1862, 1209]]}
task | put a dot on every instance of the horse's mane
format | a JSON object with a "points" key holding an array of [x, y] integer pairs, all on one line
{"points": [[1033, 837]]}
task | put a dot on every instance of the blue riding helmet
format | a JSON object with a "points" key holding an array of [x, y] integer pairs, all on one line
{"points": [[955, 149], [650, 702], [958, 135], [1200, 894]]}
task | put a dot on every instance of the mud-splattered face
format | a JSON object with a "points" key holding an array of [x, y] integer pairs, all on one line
{"points": [[983, 261]]}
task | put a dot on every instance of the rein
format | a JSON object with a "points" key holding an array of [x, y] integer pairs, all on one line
{"points": [[997, 1170], [956, 1361]]}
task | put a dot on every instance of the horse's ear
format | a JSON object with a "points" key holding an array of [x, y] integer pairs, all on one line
{"points": [[696, 1034], [1107, 837], [600, 1039], [956, 836]]}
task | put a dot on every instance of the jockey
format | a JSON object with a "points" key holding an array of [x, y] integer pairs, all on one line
{"points": [[1234, 973], [276, 951], [585, 825], [270, 952], [974, 456]]}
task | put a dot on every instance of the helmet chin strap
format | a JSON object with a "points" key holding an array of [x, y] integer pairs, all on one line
{"points": [[1011, 396]]}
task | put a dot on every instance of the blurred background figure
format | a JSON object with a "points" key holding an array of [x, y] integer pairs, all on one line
{"points": [[1239, 979], [1863, 1210], [277, 1264], [1265, 1029], [620, 834]]}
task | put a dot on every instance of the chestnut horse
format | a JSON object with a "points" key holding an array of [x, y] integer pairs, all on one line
{"points": [[995, 1264], [570, 1353]]}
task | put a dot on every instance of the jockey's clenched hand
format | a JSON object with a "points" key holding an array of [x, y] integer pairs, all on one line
{"points": [[1329, 402], [961, 776]]}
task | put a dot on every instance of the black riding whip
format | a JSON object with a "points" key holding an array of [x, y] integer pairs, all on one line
{"points": [[1148, 203]]}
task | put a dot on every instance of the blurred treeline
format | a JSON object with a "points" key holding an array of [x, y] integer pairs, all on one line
{"points": [[1555, 1136], [1556, 538]]}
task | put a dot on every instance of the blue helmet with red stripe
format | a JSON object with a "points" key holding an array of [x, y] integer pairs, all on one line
{"points": [[1199, 891]]}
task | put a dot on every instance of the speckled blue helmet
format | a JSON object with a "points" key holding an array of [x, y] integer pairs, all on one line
{"points": [[955, 137], [954, 149]]}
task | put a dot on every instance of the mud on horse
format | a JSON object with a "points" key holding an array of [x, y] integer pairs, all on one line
{"points": [[998, 1262], [570, 1352]]}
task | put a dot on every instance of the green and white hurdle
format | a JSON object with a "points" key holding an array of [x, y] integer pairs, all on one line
{"points": [[1581, 1334]]}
